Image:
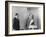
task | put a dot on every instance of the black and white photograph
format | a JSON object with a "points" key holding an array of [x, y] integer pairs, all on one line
{"points": [[25, 18]]}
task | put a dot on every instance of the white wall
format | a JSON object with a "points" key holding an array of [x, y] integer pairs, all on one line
{"points": [[2, 20]]}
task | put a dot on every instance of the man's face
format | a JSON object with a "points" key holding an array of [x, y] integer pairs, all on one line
{"points": [[17, 16]]}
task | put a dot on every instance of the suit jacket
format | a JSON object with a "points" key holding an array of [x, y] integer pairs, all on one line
{"points": [[16, 24]]}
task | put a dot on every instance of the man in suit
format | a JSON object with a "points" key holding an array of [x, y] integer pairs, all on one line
{"points": [[16, 22]]}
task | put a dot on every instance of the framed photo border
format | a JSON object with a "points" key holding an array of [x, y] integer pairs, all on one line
{"points": [[6, 18]]}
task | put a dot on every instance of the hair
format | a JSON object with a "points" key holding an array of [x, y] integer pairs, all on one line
{"points": [[16, 14]]}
